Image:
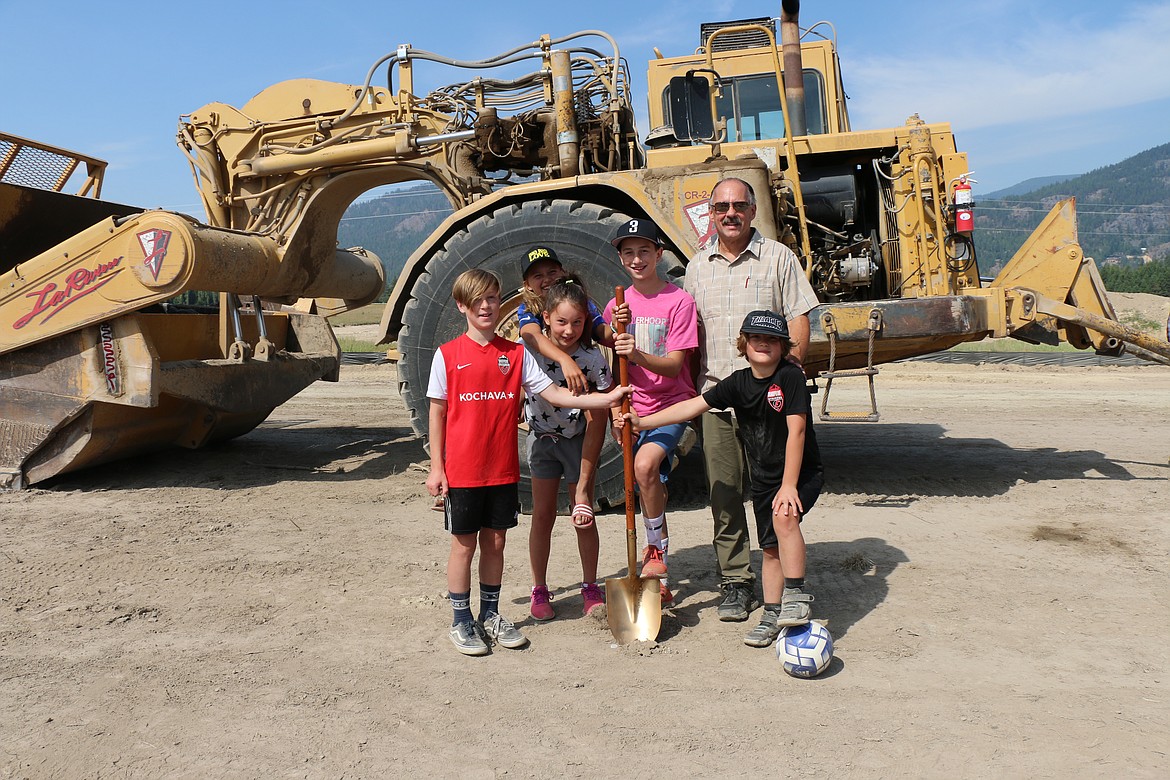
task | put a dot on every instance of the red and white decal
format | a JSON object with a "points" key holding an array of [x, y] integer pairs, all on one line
{"points": [[776, 398], [699, 215], [154, 246], [504, 364], [109, 352]]}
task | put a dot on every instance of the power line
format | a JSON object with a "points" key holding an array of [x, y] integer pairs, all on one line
{"points": [[1135, 235], [413, 193], [1047, 206], [1085, 211], [403, 214]]}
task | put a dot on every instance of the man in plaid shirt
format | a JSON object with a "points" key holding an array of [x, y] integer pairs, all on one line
{"points": [[738, 271]]}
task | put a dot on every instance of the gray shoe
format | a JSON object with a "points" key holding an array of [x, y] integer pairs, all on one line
{"points": [[465, 636], [766, 632], [738, 601], [794, 608], [503, 632]]}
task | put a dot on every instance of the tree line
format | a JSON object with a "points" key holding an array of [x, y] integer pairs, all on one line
{"points": [[1150, 278]]}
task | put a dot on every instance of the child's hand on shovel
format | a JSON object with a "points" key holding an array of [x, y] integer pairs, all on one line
{"points": [[631, 418], [614, 397]]}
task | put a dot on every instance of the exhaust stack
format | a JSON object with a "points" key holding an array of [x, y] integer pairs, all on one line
{"points": [[793, 66]]}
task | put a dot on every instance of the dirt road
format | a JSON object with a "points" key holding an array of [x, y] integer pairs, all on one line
{"points": [[993, 559]]}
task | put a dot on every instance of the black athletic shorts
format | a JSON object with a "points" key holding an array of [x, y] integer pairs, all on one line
{"points": [[808, 489], [469, 510]]}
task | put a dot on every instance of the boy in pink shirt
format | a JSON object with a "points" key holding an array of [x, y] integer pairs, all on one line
{"points": [[662, 331]]}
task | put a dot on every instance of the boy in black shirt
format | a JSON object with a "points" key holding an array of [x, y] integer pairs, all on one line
{"points": [[774, 410]]}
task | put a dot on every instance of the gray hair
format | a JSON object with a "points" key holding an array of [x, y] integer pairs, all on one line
{"points": [[751, 193]]}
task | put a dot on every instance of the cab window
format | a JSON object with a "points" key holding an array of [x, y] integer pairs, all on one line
{"points": [[751, 105]]}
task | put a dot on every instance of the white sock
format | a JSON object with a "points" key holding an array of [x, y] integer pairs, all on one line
{"points": [[654, 530]]}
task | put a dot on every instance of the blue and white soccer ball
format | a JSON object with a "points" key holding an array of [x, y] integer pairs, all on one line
{"points": [[805, 650]]}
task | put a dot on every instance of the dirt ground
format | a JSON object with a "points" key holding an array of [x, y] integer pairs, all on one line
{"points": [[993, 559]]}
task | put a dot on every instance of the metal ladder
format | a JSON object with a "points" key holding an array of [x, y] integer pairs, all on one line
{"points": [[829, 325]]}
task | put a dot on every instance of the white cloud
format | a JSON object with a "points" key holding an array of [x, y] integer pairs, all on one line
{"points": [[1036, 70]]}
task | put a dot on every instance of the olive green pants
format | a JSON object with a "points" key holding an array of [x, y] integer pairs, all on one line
{"points": [[724, 459]]}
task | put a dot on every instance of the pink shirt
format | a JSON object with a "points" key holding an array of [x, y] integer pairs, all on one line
{"points": [[662, 323]]}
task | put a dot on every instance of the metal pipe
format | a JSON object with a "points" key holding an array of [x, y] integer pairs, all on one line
{"points": [[260, 327], [793, 66], [233, 301], [265, 349], [442, 138], [399, 144], [567, 138]]}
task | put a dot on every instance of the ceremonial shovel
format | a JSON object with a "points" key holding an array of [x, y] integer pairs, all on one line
{"points": [[633, 604]]}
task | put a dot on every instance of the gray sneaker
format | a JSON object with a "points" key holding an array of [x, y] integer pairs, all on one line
{"points": [[738, 601], [794, 608], [467, 640], [766, 632], [503, 632]]}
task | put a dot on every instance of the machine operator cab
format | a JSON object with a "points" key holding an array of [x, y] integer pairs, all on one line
{"points": [[741, 71]]}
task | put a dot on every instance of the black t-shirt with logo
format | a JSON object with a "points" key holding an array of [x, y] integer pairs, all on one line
{"points": [[762, 407]]}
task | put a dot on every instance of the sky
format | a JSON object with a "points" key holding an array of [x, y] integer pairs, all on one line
{"points": [[1030, 87]]}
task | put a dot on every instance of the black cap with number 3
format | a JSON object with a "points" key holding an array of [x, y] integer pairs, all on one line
{"points": [[637, 228]]}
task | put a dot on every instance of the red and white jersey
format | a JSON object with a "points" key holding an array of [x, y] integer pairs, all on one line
{"points": [[482, 386]]}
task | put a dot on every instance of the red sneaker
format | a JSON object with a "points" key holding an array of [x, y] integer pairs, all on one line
{"points": [[667, 596], [540, 608], [653, 564]]}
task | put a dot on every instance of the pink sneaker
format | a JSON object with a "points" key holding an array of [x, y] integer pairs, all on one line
{"points": [[653, 564], [594, 600], [540, 608]]}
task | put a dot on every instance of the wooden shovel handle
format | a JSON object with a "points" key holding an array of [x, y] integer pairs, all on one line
{"points": [[619, 296]]}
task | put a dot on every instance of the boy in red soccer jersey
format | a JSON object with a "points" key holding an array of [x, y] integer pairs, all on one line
{"points": [[475, 390]]}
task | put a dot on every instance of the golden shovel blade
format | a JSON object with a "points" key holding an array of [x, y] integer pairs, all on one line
{"points": [[633, 607]]}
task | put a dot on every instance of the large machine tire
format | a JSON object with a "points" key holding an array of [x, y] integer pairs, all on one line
{"points": [[578, 232]]}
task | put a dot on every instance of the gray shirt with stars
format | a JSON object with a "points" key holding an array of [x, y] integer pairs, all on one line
{"points": [[543, 417]]}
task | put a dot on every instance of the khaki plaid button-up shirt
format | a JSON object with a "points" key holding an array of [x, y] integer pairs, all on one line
{"points": [[766, 275]]}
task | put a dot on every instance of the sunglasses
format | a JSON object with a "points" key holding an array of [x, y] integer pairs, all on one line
{"points": [[722, 206]]}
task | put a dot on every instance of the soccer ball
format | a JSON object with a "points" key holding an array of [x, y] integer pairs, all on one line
{"points": [[805, 650]]}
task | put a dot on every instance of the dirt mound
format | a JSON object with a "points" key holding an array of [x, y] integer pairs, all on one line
{"points": [[1147, 313]]}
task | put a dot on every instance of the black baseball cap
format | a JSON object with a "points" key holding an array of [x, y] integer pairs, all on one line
{"points": [[637, 228], [765, 323], [535, 255]]}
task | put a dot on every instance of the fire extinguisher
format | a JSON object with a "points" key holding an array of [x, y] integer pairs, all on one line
{"points": [[964, 204]]}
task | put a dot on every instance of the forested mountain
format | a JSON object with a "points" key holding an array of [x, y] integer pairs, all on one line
{"points": [[1123, 213], [393, 225], [1027, 185]]}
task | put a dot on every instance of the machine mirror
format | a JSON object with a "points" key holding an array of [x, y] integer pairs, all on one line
{"points": [[690, 108]]}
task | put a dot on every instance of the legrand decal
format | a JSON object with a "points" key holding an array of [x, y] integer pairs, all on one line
{"points": [[109, 352], [52, 299]]}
